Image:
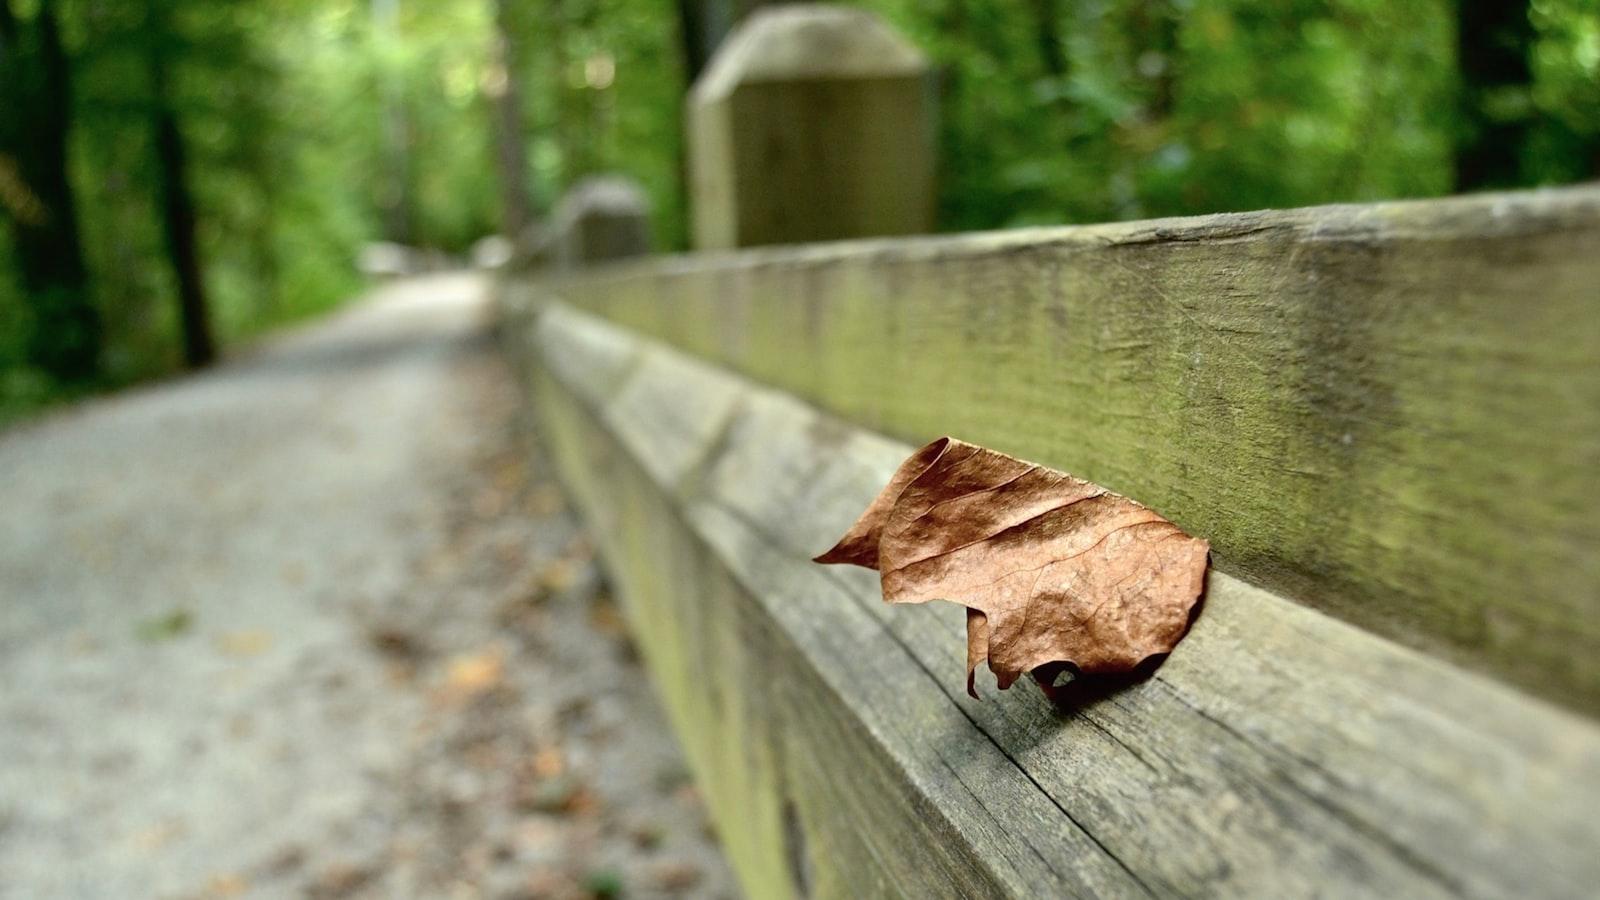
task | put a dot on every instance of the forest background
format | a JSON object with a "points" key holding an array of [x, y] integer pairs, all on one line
{"points": [[179, 175]]}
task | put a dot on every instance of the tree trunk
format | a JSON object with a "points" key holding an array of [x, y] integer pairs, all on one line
{"points": [[695, 38], [1158, 24], [178, 222], [36, 195], [702, 25], [1493, 38], [396, 195], [510, 143], [1047, 32]]}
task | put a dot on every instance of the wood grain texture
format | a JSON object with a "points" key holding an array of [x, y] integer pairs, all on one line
{"points": [[1278, 751], [1388, 412]]}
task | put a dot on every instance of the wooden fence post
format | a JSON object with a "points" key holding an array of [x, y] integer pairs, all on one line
{"points": [[812, 123], [600, 218]]}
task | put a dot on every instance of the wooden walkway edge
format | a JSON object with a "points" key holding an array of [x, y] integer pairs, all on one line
{"points": [[1278, 752], [1390, 412]]}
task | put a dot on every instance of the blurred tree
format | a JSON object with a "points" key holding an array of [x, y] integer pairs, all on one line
{"points": [[505, 91], [1493, 41], [1564, 142], [283, 116], [604, 93], [36, 194], [1090, 110], [396, 198], [703, 24], [698, 35], [177, 201], [1047, 29]]}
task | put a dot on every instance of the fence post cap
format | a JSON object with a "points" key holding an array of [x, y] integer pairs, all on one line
{"points": [[795, 42], [606, 194], [600, 218]]}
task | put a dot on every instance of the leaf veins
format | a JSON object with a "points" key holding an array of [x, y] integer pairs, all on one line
{"points": [[1052, 569]]}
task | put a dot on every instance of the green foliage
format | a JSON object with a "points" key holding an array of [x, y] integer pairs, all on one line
{"points": [[314, 126], [280, 108], [1565, 144], [1168, 107], [22, 387], [603, 91]]}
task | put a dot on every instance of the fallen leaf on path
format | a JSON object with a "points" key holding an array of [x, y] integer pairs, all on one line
{"points": [[1051, 568], [558, 577], [510, 472], [230, 884], [396, 643], [473, 674], [343, 879], [537, 835], [549, 762], [564, 794], [647, 835], [547, 500], [606, 618], [490, 502], [551, 883], [674, 876], [579, 550], [252, 642]]}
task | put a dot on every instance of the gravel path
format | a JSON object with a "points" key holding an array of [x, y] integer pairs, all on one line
{"points": [[316, 623]]}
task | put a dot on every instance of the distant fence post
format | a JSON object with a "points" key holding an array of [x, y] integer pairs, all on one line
{"points": [[812, 123], [602, 218]]}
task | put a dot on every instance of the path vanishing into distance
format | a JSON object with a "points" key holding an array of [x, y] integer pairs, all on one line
{"points": [[315, 622]]}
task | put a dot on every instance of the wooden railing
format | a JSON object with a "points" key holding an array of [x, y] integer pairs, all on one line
{"points": [[1384, 418]]}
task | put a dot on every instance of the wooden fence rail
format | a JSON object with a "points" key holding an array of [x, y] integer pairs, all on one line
{"points": [[1390, 412], [1277, 752], [1385, 419]]}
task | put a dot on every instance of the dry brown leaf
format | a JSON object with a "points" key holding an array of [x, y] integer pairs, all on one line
{"points": [[606, 618], [549, 762], [1051, 568], [230, 884], [559, 576], [251, 642], [470, 675]]}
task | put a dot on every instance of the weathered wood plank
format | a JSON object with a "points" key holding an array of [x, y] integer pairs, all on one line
{"points": [[785, 711], [1389, 412], [1278, 752]]}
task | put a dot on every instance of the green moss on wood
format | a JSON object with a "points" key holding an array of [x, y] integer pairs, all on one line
{"points": [[1389, 412]]}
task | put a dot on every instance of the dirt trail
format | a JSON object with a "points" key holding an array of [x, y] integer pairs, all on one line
{"points": [[315, 623]]}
